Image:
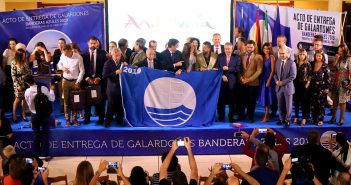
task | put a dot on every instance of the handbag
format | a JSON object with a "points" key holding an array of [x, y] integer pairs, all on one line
{"points": [[93, 95], [345, 83], [77, 100]]}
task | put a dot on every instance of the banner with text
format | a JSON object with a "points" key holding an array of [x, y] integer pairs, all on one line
{"points": [[298, 25], [74, 23], [156, 98], [155, 141]]}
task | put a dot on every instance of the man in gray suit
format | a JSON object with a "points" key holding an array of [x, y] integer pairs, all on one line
{"points": [[284, 76]]}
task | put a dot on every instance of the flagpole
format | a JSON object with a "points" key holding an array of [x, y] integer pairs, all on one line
{"points": [[342, 28], [234, 24]]}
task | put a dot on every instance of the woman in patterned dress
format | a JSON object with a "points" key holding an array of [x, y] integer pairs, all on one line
{"points": [[341, 86], [319, 83], [19, 69]]}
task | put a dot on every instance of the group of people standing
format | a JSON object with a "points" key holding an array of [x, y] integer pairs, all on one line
{"points": [[273, 78]]}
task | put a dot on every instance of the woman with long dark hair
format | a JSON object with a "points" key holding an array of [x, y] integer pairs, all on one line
{"points": [[138, 176], [319, 83], [19, 69], [267, 85], [342, 84], [189, 55], [43, 58]]}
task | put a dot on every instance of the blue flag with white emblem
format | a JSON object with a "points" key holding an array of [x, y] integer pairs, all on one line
{"points": [[155, 98]]}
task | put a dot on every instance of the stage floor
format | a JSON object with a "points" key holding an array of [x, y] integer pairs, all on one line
{"points": [[93, 139]]}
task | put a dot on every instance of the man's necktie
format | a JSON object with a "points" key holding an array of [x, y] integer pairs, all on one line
{"points": [[248, 59], [227, 62], [172, 56], [216, 50], [92, 63], [281, 71]]}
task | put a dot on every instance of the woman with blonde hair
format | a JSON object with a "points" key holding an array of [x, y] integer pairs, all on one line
{"points": [[301, 98], [84, 174], [19, 69]]}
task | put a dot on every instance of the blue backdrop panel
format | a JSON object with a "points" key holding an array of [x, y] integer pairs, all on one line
{"points": [[74, 23], [217, 139]]}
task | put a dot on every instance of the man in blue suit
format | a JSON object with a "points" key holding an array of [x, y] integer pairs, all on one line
{"points": [[111, 73], [172, 59], [284, 76], [231, 65]]}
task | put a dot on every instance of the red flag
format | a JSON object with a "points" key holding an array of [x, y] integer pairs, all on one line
{"points": [[257, 35]]}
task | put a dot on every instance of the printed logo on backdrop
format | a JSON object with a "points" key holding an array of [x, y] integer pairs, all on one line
{"points": [[325, 138], [169, 101]]}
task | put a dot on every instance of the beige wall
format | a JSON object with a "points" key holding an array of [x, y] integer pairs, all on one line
{"points": [[20, 5], [314, 5]]}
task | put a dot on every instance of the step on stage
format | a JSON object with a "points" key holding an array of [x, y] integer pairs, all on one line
{"points": [[96, 140]]}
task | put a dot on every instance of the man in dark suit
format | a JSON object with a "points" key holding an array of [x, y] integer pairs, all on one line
{"points": [[94, 61], [231, 66], [111, 73], [172, 59], [126, 52], [150, 61], [153, 45], [284, 76], [217, 47]]}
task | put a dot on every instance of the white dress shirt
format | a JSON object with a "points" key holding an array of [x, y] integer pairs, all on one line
{"points": [[32, 91], [74, 64], [10, 56], [150, 63], [219, 49]]}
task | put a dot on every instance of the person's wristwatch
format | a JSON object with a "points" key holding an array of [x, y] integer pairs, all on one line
{"points": [[97, 173]]}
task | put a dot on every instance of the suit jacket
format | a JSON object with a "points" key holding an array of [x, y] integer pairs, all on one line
{"points": [[234, 67], [109, 74], [167, 61], [201, 63], [135, 60], [126, 57], [253, 70], [144, 63], [101, 58], [213, 49], [288, 76], [158, 56]]}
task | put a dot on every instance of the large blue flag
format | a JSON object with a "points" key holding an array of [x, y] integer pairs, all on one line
{"points": [[155, 98]]}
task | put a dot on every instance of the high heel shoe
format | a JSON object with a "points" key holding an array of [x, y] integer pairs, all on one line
{"points": [[265, 118], [332, 120], [295, 120], [25, 118], [341, 121], [15, 120]]}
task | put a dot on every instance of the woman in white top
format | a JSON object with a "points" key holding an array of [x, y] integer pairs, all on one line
{"points": [[8, 57], [342, 153]]}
